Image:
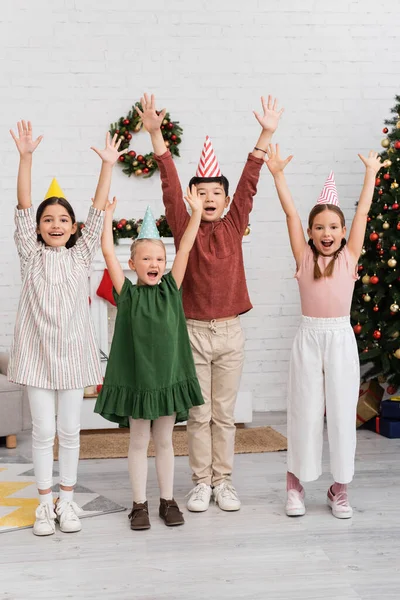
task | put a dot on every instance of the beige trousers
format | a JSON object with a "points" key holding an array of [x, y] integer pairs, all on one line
{"points": [[218, 352]]}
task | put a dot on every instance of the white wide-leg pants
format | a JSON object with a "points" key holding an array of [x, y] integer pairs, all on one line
{"points": [[324, 373]]}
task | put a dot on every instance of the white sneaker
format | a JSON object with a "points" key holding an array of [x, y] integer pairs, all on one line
{"points": [[295, 504], [339, 504], [199, 499], [226, 496], [67, 516], [45, 517]]}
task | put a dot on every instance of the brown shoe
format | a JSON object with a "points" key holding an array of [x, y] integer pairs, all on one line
{"points": [[139, 516], [170, 513]]}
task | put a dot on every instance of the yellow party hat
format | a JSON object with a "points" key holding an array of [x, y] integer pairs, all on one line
{"points": [[54, 190]]}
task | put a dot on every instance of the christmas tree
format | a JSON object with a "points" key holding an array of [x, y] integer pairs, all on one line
{"points": [[375, 311]]}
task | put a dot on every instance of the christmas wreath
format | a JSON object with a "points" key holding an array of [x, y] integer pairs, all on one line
{"points": [[143, 164], [130, 228]]}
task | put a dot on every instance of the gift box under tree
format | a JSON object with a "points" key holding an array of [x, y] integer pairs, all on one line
{"points": [[369, 400]]}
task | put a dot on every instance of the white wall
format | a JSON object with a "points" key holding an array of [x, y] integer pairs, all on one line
{"points": [[73, 66]]}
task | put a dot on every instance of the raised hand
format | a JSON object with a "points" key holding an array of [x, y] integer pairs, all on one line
{"points": [[24, 142], [270, 118], [373, 162], [151, 120], [110, 154], [193, 199], [274, 161], [110, 207]]}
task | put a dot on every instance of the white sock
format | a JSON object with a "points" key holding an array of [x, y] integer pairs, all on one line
{"points": [[67, 495], [47, 499]]}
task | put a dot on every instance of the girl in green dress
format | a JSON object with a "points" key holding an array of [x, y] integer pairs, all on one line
{"points": [[150, 381]]}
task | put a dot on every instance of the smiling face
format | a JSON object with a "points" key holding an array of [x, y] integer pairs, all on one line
{"points": [[326, 229], [148, 260], [214, 200], [56, 225]]}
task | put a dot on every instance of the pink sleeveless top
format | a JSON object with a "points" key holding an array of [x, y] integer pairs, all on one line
{"points": [[329, 296]]}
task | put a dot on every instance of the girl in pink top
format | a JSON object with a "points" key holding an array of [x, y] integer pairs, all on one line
{"points": [[324, 365]]}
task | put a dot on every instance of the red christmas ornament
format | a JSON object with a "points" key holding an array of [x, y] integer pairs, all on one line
{"points": [[132, 153], [377, 181], [117, 131], [385, 207], [380, 192], [381, 253], [366, 350], [377, 334], [173, 137], [122, 222], [397, 144], [357, 329], [146, 170], [140, 158], [170, 125], [393, 248], [378, 247], [385, 130], [395, 206], [368, 219], [119, 226], [128, 136], [376, 308], [360, 268], [121, 158], [386, 176], [398, 225], [126, 121], [374, 236], [374, 280], [391, 389]]}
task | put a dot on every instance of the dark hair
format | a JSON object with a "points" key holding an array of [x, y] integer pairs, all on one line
{"points": [[316, 210], [222, 180], [65, 204]]}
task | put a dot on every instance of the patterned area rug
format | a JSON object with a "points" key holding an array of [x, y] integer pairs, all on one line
{"points": [[18, 497], [114, 443]]}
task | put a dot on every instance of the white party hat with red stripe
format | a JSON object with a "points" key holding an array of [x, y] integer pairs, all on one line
{"points": [[329, 193], [208, 165]]}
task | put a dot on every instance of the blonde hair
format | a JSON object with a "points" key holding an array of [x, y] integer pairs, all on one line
{"points": [[316, 210], [140, 241]]}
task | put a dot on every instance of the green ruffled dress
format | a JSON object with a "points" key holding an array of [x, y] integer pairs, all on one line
{"points": [[150, 371]]}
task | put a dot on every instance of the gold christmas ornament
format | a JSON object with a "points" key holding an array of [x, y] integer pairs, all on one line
{"points": [[135, 163], [165, 122], [363, 251], [380, 217], [167, 143], [397, 353], [395, 335], [365, 279], [367, 298], [385, 143], [394, 307], [386, 225], [387, 163], [381, 234], [398, 125], [247, 231], [392, 262], [138, 172], [128, 226], [394, 185]]}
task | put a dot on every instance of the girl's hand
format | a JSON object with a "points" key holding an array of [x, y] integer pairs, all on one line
{"points": [[24, 142], [274, 162], [151, 120], [110, 154], [270, 119], [373, 162], [110, 207], [193, 199]]}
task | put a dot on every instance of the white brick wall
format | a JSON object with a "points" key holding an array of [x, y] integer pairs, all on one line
{"points": [[73, 66]]}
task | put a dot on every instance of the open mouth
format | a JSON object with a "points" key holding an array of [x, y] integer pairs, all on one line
{"points": [[56, 235], [152, 274], [210, 210], [326, 244]]}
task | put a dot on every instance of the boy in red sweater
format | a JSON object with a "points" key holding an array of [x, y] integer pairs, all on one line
{"points": [[214, 295]]}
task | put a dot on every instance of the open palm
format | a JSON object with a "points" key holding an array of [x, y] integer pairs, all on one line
{"points": [[24, 141], [270, 118], [152, 120], [274, 161], [111, 153], [373, 161]]}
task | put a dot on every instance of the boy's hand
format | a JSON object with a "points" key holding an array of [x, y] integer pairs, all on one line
{"points": [[274, 162], [110, 154], [151, 120], [270, 118], [24, 142], [373, 162], [193, 199]]}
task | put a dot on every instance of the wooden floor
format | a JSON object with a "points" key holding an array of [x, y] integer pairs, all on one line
{"points": [[256, 553]]}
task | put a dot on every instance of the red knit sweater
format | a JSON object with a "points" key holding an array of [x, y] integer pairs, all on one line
{"points": [[214, 286]]}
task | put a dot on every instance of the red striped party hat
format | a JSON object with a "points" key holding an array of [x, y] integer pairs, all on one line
{"points": [[208, 165], [329, 193]]}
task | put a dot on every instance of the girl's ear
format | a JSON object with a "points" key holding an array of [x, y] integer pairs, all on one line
{"points": [[309, 233], [74, 228], [131, 264], [344, 231]]}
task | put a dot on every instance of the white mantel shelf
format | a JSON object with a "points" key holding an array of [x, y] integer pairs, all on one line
{"points": [[99, 312]]}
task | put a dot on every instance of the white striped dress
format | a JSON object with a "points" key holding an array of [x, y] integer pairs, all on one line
{"points": [[54, 345]]}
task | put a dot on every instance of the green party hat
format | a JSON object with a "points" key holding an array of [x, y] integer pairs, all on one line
{"points": [[148, 228]]}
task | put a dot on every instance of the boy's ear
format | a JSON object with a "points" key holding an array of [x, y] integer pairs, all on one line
{"points": [[227, 200]]}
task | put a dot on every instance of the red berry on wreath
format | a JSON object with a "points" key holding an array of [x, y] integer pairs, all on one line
{"points": [[128, 136], [374, 280], [397, 144], [132, 153], [395, 206], [385, 130], [170, 125], [386, 176], [173, 137], [126, 121], [121, 158], [374, 236], [377, 181], [357, 329], [146, 170], [377, 334]]}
